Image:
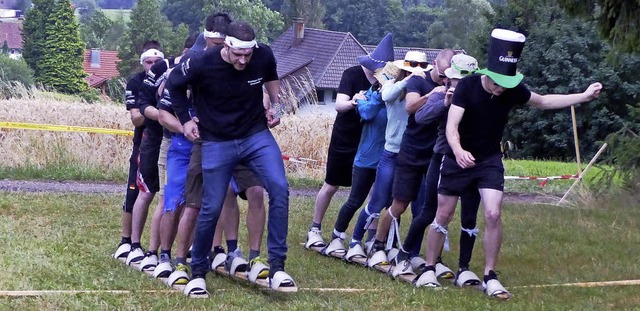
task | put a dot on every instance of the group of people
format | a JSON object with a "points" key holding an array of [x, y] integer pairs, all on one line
{"points": [[426, 137], [201, 139]]}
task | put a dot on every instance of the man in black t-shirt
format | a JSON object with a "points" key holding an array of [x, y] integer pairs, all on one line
{"points": [[345, 135], [133, 106], [476, 121], [234, 128]]}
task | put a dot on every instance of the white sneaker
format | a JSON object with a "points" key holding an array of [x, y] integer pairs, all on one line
{"points": [[135, 256], [417, 262], [314, 239]]}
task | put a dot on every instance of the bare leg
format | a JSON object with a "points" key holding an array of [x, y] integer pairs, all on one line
{"points": [[185, 231], [435, 239], [126, 224], [154, 237], [139, 215], [256, 215], [492, 202], [323, 199], [229, 219], [384, 223]]}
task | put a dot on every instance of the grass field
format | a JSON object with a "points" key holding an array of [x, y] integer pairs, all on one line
{"points": [[63, 242]]}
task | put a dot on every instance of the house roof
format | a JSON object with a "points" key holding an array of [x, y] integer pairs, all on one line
{"points": [[12, 33], [107, 69], [324, 53]]}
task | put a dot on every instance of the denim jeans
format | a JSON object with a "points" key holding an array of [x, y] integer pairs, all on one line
{"points": [[178, 158], [381, 196], [361, 181], [261, 153]]}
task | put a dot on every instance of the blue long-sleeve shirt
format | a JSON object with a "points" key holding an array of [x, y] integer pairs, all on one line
{"points": [[434, 111], [373, 114]]}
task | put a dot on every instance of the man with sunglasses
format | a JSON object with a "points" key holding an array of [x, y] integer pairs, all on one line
{"points": [[234, 128], [147, 59], [476, 121], [413, 158]]}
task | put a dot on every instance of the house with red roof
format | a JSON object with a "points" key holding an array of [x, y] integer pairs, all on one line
{"points": [[11, 33], [100, 66]]}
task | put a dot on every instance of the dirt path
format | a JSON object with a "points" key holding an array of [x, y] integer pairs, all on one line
{"points": [[101, 187]]}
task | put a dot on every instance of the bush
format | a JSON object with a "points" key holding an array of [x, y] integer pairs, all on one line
{"points": [[15, 71], [115, 89]]}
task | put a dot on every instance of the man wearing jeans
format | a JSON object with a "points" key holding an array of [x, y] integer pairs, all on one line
{"points": [[234, 130]]}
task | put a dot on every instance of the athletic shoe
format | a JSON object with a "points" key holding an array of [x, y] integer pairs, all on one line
{"points": [[417, 262], [182, 269], [314, 239], [264, 273], [135, 256], [237, 254]]}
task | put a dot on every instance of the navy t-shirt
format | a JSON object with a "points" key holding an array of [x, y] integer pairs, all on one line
{"points": [[485, 115], [347, 127], [417, 143], [228, 101], [149, 97], [131, 102]]}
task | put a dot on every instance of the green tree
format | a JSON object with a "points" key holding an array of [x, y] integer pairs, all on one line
{"points": [[267, 24], [95, 29], [12, 70], [312, 11], [60, 65], [188, 12], [413, 28], [367, 20], [146, 23], [5, 47], [617, 20], [33, 34]]}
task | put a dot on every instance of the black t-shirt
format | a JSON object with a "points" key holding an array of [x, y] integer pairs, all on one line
{"points": [[418, 140], [347, 127], [228, 101], [148, 95], [131, 102], [165, 99], [485, 115]]}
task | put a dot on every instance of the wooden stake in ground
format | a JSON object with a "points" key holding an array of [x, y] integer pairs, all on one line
{"points": [[593, 160], [575, 138]]}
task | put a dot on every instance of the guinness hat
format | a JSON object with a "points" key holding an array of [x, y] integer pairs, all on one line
{"points": [[505, 48]]}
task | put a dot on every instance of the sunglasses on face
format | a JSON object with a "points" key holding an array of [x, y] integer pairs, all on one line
{"points": [[414, 64], [440, 75]]}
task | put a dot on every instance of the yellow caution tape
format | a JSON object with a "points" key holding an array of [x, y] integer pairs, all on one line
{"points": [[63, 128]]}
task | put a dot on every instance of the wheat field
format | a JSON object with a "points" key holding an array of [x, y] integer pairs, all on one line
{"points": [[304, 134]]}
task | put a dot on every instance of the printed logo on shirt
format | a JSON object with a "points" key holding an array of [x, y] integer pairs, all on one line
{"points": [[255, 81], [185, 67], [128, 93]]}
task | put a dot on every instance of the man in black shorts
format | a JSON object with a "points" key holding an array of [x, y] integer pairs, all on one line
{"points": [[133, 106], [346, 132], [477, 117]]}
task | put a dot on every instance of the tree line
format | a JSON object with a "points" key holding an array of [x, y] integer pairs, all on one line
{"points": [[567, 47]]}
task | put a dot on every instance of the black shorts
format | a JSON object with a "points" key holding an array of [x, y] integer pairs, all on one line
{"points": [[407, 181], [487, 174], [193, 189], [339, 168], [244, 178], [148, 178]]}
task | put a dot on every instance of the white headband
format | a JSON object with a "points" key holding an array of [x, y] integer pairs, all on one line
{"points": [[213, 34], [239, 44], [150, 53]]}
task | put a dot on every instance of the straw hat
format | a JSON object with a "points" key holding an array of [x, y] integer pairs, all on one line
{"points": [[413, 61]]}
